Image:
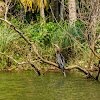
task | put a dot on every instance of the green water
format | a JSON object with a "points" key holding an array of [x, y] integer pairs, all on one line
{"points": [[51, 86]]}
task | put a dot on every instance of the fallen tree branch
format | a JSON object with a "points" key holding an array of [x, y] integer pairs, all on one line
{"points": [[21, 63], [77, 67], [30, 43], [86, 72], [97, 38], [98, 56], [35, 68]]}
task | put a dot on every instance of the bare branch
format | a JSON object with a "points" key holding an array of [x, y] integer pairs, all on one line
{"points": [[97, 38], [13, 5], [86, 72], [98, 56], [19, 63], [77, 67]]}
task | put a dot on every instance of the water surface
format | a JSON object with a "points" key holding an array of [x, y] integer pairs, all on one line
{"points": [[28, 85]]}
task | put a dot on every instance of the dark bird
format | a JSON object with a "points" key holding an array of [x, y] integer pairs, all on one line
{"points": [[60, 59]]}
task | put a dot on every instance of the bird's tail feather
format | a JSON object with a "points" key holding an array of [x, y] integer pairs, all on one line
{"points": [[64, 74]]}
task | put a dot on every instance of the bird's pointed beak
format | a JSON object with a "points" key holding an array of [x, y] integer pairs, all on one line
{"points": [[53, 44]]}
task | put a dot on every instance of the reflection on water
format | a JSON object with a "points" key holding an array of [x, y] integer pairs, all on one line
{"points": [[52, 86]]}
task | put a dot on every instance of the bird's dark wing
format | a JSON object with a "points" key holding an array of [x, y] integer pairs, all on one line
{"points": [[60, 61], [63, 59]]}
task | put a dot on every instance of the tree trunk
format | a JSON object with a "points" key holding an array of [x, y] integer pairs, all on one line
{"points": [[62, 10], [55, 10], [42, 15], [72, 11], [22, 13]]}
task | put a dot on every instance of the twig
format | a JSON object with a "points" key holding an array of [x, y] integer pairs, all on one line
{"points": [[98, 56], [97, 38], [19, 63], [77, 67]]}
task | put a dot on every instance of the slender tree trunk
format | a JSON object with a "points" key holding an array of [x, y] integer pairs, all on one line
{"points": [[6, 13], [22, 12], [7, 8], [94, 17], [55, 10], [72, 11], [62, 10], [42, 15]]}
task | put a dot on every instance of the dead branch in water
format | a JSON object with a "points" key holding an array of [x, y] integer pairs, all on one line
{"points": [[86, 72], [21, 63], [77, 67]]}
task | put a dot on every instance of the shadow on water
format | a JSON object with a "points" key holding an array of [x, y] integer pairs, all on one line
{"points": [[51, 86]]}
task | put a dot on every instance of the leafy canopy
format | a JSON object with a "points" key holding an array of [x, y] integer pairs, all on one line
{"points": [[33, 4]]}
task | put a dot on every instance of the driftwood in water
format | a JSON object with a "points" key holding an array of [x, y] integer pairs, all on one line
{"points": [[36, 69]]}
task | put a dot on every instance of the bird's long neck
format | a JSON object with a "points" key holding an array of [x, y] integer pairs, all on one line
{"points": [[58, 52]]}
